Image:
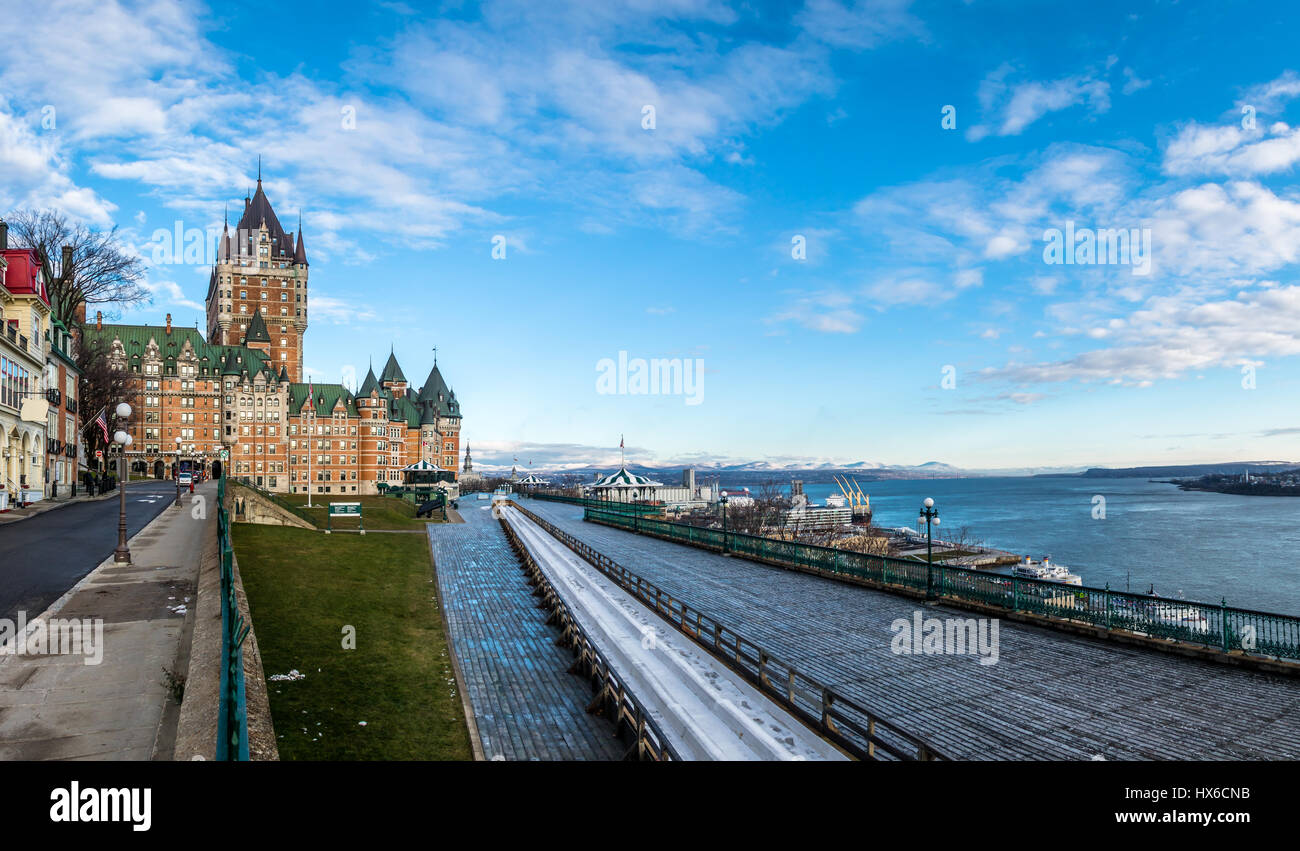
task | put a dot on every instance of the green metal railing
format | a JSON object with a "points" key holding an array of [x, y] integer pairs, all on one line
{"points": [[602, 504], [1221, 627], [232, 710]]}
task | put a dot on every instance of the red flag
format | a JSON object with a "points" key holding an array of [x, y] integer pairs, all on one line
{"points": [[620, 441]]}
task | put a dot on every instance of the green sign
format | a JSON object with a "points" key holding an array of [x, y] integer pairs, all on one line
{"points": [[344, 509]]}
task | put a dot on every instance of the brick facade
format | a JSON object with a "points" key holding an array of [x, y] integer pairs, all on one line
{"points": [[241, 389]]}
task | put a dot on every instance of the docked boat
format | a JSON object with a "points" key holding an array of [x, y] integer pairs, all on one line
{"points": [[1045, 571], [1185, 617]]}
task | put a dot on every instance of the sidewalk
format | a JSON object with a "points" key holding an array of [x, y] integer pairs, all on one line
{"points": [[60, 707], [13, 515]]}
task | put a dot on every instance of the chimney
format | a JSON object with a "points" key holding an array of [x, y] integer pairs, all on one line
{"points": [[4, 235], [169, 323], [66, 269], [99, 320]]}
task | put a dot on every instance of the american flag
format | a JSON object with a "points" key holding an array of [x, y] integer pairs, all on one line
{"points": [[103, 425]]}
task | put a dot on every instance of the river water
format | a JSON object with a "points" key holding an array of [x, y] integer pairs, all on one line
{"points": [[1190, 544]]}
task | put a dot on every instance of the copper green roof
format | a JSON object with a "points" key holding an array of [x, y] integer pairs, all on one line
{"points": [[326, 397], [392, 372], [211, 359], [369, 384], [403, 409], [257, 332], [436, 399]]}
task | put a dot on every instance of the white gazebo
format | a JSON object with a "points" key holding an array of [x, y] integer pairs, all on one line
{"points": [[532, 480], [422, 473], [623, 486]]}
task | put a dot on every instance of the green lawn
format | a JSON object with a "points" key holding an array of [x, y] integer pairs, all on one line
{"points": [[303, 588], [378, 512]]}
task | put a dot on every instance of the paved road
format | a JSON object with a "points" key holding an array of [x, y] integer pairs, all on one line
{"points": [[43, 556]]}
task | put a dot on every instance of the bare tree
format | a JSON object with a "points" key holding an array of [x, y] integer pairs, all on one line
{"points": [[102, 270], [100, 386]]}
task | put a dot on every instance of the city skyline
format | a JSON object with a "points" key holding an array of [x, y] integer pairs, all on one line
{"points": [[833, 270]]}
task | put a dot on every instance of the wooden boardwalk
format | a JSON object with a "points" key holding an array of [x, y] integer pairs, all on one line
{"points": [[525, 705], [1051, 695]]}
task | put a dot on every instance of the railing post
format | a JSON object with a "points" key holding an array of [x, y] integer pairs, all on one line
{"points": [[1223, 622], [1107, 606], [1015, 593]]}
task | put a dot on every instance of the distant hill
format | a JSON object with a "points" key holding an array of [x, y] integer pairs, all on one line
{"points": [[1180, 470]]}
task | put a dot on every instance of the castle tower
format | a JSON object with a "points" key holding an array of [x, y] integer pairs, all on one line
{"points": [[261, 270]]}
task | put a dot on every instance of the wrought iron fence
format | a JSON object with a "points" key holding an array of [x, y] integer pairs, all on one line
{"points": [[603, 504], [1221, 627], [232, 711], [847, 723]]}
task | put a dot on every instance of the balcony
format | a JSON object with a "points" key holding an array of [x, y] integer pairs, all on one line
{"points": [[54, 397], [72, 405]]}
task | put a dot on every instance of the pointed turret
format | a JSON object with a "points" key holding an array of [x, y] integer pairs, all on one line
{"points": [[392, 372], [257, 332], [300, 251], [369, 385]]}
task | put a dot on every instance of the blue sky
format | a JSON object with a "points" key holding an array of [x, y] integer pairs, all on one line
{"points": [[922, 322]]}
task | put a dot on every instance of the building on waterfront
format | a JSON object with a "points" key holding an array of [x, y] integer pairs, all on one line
{"points": [[626, 486], [236, 402]]}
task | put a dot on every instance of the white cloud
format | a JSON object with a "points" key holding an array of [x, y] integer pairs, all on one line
{"points": [[1013, 107]]}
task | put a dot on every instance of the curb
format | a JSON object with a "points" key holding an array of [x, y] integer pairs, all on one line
{"points": [[57, 606]]}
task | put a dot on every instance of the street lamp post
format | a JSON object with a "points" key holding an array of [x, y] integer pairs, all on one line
{"points": [[176, 474], [722, 500], [930, 517], [122, 555]]}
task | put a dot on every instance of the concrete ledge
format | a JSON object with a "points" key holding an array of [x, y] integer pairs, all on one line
{"points": [[259, 509], [1235, 658]]}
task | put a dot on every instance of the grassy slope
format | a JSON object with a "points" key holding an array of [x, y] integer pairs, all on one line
{"points": [[303, 587], [378, 512]]}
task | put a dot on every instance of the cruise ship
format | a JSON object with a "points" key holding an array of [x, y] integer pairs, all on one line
{"points": [[1045, 571]]}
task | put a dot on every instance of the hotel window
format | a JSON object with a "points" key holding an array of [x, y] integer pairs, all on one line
{"points": [[243, 293]]}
